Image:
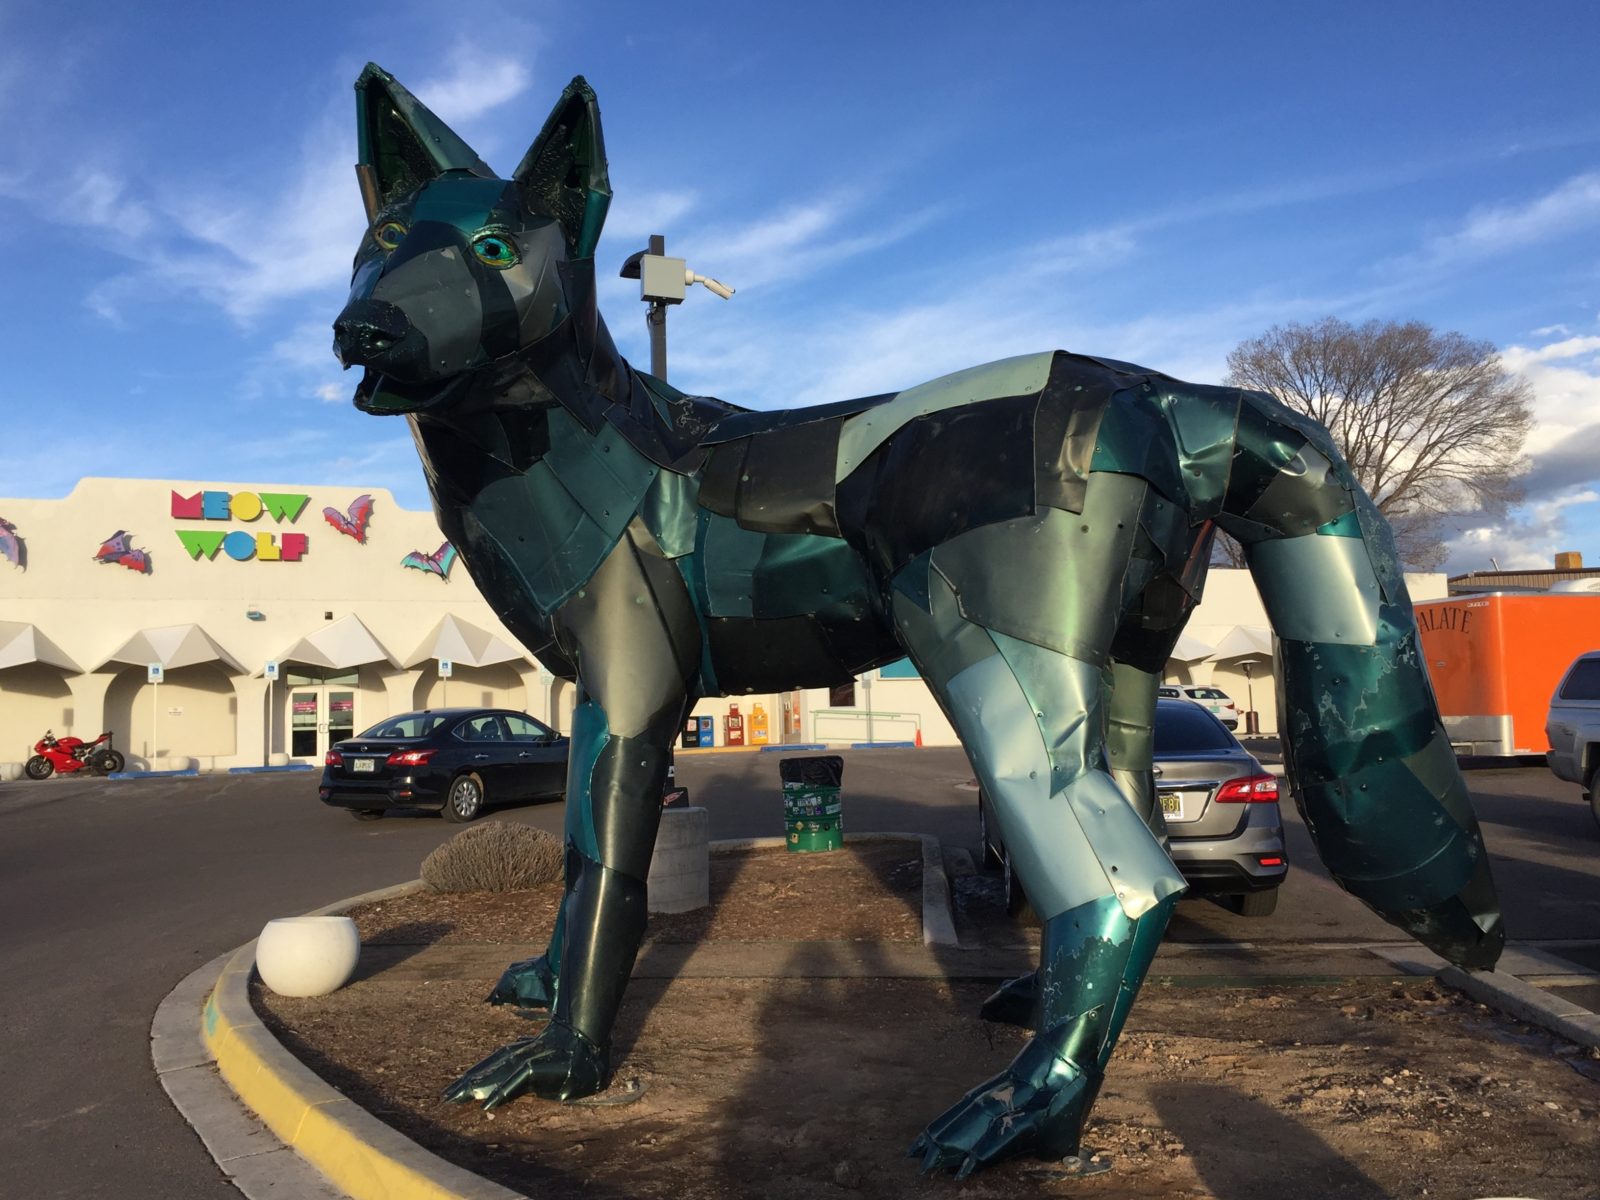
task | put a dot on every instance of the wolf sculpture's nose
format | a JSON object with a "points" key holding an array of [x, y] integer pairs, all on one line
{"points": [[368, 330]]}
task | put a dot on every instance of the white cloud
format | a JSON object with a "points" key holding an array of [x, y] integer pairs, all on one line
{"points": [[247, 250], [1565, 209], [1562, 482], [635, 215], [795, 241], [473, 85], [1565, 379], [101, 199], [1526, 540]]}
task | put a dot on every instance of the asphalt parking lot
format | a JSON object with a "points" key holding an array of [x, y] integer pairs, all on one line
{"points": [[114, 890]]}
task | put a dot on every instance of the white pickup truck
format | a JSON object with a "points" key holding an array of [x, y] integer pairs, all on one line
{"points": [[1573, 728]]}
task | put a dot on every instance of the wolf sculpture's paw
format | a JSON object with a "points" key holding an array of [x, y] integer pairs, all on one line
{"points": [[559, 1064], [1036, 1105], [530, 983]]}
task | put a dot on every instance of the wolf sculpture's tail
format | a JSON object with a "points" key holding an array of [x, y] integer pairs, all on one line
{"points": [[1370, 763]]}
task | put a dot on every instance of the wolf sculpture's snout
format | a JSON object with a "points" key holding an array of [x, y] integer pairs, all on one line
{"points": [[375, 333]]}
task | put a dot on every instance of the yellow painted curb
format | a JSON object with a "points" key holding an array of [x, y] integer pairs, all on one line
{"points": [[357, 1152]]}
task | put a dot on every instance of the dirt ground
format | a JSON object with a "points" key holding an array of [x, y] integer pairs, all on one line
{"points": [[814, 1088]]}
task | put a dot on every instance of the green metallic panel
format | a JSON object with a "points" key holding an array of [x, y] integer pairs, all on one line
{"points": [[1385, 558], [727, 557], [1135, 439], [1348, 526], [799, 574], [543, 534], [1066, 698], [606, 475], [1130, 739], [1049, 853], [942, 642], [590, 733], [911, 581], [863, 434], [1167, 526], [1318, 589], [462, 204], [1070, 600], [669, 512], [1309, 492], [1205, 426]]}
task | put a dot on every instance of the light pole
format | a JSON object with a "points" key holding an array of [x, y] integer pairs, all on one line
{"points": [[663, 281], [1251, 724]]}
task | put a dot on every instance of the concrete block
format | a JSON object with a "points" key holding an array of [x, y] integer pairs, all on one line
{"points": [[680, 871]]}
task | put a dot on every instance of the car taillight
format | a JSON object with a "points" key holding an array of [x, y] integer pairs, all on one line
{"points": [[334, 759], [1252, 789], [410, 758]]}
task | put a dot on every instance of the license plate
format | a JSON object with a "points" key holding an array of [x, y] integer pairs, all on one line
{"points": [[1172, 804], [363, 766]]}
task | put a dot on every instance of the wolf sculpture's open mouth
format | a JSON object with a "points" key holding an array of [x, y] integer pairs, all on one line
{"points": [[382, 394]]}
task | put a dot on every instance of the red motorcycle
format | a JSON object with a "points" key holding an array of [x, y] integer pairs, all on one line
{"points": [[53, 755]]}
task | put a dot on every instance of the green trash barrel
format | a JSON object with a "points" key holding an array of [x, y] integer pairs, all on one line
{"points": [[812, 813]]}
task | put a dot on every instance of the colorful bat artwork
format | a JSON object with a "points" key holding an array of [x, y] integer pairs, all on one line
{"points": [[12, 547], [118, 548], [438, 563], [353, 521]]}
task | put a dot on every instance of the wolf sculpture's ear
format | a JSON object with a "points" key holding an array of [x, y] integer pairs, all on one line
{"points": [[401, 145], [563, 174]]}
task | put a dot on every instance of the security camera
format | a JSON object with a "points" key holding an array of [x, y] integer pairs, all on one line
{"points": [[711, 285]]}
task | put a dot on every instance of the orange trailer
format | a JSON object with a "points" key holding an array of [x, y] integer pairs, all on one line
{"points": [[1495, 660]]}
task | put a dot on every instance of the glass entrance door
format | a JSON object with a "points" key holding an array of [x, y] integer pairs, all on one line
{"points": [[320, 713], [305, 724]]}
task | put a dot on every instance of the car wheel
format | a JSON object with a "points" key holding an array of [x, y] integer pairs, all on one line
{"points": [[1255, 904], [38, 767], [991, 856], [367, 814], [465, 800], [1016, 899], [1594, 793]]}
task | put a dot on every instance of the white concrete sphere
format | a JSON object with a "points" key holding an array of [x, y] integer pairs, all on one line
{"points": [[307, 956]]}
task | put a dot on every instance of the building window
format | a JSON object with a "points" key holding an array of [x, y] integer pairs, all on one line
{"points": [[842, 695], [899, 669]]}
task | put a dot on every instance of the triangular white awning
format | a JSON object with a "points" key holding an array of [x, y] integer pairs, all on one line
{"points": [[455, 640], [1189, 649], [1244, 641], [341, 646], [172, 646], [21, 644]]}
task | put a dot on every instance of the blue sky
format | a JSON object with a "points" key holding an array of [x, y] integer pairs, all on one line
{"points": [[896, 191]]}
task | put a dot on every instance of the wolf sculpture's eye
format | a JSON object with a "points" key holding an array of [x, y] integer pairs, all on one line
{"points": [[388, 234], [495, 250]]}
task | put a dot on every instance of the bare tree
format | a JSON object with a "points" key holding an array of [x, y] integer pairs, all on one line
{"points": [[1430, 422]]}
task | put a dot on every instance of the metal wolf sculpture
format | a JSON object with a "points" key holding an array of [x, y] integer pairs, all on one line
{"points": [[1033, 534]]}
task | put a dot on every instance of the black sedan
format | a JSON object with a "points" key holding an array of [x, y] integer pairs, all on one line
{"points": [[455, 760]]}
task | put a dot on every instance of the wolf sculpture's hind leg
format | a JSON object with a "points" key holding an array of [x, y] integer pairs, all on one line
{"points": [[1130, 744], [1031, 719]]}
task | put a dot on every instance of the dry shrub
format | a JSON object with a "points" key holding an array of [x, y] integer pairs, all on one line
{"points": [[496, 856]]}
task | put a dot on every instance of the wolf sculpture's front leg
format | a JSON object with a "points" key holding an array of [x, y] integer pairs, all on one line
{"points": [[636, 644]]}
